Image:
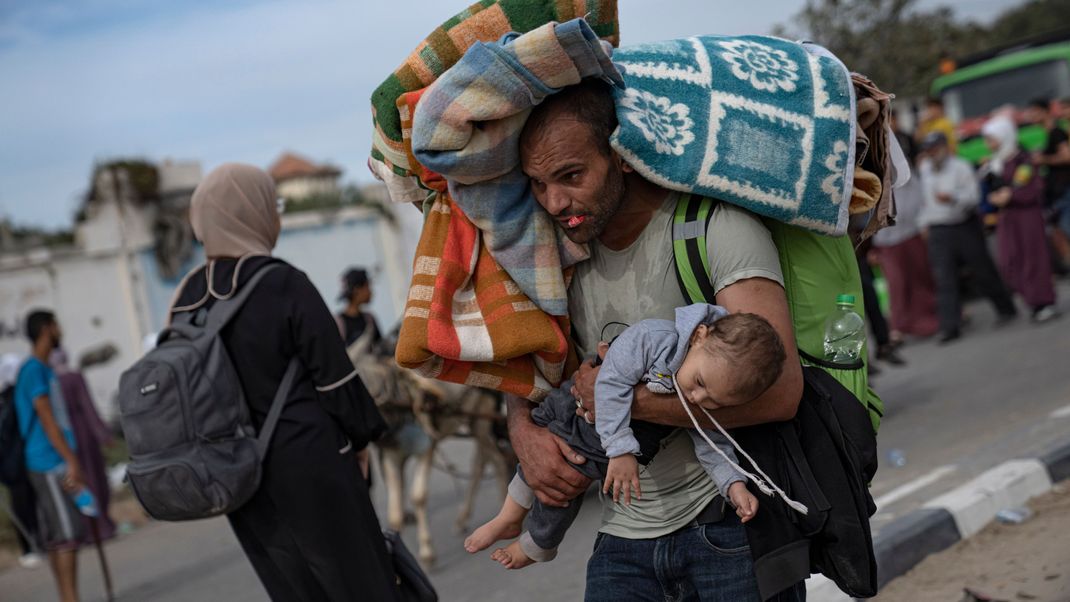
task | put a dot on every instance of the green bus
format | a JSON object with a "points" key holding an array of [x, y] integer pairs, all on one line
{"points": [[1015, 75]]}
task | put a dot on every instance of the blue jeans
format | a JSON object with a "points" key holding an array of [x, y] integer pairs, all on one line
{"points": [[706, 563]]}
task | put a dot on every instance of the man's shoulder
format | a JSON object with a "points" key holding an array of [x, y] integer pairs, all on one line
{"points": [[33, 369], [728, 218]]}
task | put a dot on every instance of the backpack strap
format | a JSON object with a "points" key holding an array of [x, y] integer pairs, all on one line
{"points": [[218, 317], [222, 312], [263, 439], [689, 225]]}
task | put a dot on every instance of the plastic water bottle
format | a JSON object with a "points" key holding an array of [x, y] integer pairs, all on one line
{"points": [[83, 499], [845, 332], [86, 502]]}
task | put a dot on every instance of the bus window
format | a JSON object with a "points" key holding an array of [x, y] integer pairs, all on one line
{"points": [[979, 97]]}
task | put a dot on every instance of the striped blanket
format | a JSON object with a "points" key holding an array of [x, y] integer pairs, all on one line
{"points": [[467, 128], [466, 319], [485, 21]]}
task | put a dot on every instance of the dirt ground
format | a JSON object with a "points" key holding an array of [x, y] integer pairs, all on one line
{"points": [[1029, 561]]}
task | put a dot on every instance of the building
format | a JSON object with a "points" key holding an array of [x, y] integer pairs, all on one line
{"points": [[297, 178], [113, 287]]}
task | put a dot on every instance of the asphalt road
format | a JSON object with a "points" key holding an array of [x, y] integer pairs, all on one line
{"points": [[953, 412]]}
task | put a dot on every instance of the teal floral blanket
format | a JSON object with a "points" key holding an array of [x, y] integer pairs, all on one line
{"points": [[756, 121]]}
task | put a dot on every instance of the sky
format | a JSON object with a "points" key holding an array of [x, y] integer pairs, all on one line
{"points": [[92, 80]]}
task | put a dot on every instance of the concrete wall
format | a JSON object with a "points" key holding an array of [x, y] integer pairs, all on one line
{"points": [[95, 300], [300, 188], [324, 245], [118, 298]]}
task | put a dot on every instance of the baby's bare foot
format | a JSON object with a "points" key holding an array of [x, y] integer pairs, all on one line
{"points": [[494, 530], [511, 556]]}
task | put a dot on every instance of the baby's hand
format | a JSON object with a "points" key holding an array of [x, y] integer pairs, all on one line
{"points": [[623, 478], [746, 504]]}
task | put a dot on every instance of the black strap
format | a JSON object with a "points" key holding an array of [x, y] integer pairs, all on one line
{"points": [[694, 257], [268, 429], [823, 363], [222, 312]]}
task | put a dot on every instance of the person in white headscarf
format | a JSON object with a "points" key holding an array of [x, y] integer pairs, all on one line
{"points": [[310, 531], [1016, 188]]}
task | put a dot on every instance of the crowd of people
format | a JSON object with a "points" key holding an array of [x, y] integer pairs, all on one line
{"points": [[938, 248]]}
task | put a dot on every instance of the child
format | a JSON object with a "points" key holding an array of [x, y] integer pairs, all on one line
{"points": [[715, 359]]}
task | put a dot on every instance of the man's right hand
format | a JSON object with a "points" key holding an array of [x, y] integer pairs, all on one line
{"points": [[545, 459], [73, 481]]}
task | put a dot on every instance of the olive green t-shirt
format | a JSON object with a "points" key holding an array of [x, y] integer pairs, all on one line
{"points": [[637, 283]]}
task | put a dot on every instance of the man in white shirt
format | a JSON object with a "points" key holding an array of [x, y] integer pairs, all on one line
{"points": [[956, 237]]}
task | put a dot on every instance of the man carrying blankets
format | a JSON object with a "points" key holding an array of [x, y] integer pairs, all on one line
{"points": [[550, 175]]}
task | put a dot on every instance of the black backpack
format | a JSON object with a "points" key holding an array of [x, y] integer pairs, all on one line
{"points": [[12, 443], [194, 452]]}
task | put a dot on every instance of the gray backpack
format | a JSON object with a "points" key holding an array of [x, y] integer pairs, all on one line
{"points": [[194, 452]]}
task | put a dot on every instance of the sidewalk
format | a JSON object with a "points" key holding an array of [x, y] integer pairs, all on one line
{"points": [[1030, 561]]}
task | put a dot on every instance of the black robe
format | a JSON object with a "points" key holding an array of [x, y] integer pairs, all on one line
{"points": [[310, 531]]}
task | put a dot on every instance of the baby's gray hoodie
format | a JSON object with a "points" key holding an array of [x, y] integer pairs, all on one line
{"points": [[650, 352]]}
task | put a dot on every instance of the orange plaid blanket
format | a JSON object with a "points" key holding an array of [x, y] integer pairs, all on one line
{"points": [[466, 321]]}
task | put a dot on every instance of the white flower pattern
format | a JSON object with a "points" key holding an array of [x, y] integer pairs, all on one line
{"points": [[766, 68], [832, 185], [665, 124]]}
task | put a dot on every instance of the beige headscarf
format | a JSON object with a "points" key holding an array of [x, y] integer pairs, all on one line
{"points": [[234, 213]]}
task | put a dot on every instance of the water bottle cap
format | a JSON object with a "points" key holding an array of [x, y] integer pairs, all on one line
{"points": [[845, 300]]}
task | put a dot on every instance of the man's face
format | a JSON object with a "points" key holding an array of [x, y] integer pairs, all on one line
{"points": [[362, 294], [576, 184], [55, 334], [938, 154]]}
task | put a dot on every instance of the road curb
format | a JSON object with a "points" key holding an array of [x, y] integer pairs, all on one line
{"points": [[907, 540], [962, 512], [1057, 461]]}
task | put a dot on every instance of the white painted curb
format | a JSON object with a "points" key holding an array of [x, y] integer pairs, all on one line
{"points": [[820, 588], [1010, 484]]}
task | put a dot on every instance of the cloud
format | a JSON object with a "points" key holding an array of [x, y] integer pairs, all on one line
{"points": [[212, 84]]}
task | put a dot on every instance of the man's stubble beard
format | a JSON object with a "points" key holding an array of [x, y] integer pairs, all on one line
{"points": [[611, 197]]}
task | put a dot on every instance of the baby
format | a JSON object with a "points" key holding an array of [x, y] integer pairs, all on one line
{"points": [[718, 360]]}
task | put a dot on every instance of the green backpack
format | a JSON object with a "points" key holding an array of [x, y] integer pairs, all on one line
{"points": [[816, 269]]}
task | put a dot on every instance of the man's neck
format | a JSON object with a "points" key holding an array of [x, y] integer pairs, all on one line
{"points": [[352, 310], [642, 199], [42, 350]]}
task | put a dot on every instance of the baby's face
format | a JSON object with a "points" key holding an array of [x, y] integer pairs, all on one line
{"points": [[706, 380]]}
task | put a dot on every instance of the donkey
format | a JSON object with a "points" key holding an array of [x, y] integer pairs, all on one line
{"points": [[438, 410]]}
